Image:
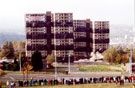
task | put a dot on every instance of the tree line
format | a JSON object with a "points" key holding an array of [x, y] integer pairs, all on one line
{"points": [[11, 50], [119, 55]]}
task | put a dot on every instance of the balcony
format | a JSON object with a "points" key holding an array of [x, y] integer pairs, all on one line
{"points": [[102, 40], [102, 30]]}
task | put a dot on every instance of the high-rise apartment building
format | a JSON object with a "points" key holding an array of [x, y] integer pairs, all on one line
{"points": [[82, 38], [39, 34], [100, 36], [64, 36], [58, 32]]}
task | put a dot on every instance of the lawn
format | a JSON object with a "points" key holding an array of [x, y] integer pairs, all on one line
{"points": [[99, 85], [99, 68]]}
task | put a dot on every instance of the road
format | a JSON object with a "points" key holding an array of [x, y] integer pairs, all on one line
{"points": [[13, 76]]}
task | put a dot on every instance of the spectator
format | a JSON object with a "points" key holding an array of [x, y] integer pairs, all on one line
{"points": [[7, 84], [133, 86], [0, 84], [12, 84], [45, 81]]}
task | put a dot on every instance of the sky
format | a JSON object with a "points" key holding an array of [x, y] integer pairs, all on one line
{"points": [[12, 12]]}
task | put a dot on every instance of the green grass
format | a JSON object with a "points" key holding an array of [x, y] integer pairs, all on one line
{"points": [[13, 72], [99, 68], [99, 85], [83, 69]]}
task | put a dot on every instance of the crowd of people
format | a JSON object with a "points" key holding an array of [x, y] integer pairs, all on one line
{"points": [[72, 81]]}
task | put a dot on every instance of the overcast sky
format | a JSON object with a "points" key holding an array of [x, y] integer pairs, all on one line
{"points": [[116, 11]]}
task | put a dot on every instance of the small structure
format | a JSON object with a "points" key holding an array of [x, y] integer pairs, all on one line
{"points": [[96, 57], [7, 60]]}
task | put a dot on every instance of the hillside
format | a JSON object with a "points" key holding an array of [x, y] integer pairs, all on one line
{"points": [[10, 37]]}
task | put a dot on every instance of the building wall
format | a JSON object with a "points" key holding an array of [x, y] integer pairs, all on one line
{"points": [[39, 33], [64, 36], [82, 38], [101, 36], [49, 33]]}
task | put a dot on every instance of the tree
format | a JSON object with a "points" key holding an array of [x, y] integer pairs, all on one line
{"points": [[8, 50], [15, 61], [125, 58], [11, 50], [5, 45], [21, 45], [50, 59], [110, 54], [37, 61], [5, 52], [117, 55], [15, 45], [133, 55], [118, 58], [26, 68]]}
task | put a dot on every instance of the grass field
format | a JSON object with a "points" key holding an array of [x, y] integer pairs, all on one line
{"points": [[103, 85], [100, 68]]}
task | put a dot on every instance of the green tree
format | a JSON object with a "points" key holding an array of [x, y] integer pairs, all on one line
{"points": [[37, 61]]}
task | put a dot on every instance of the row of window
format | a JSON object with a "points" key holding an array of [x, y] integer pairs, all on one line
{"points": [[101, 36], [100, 46], [80, 34], [80, 44], [80, 54]]}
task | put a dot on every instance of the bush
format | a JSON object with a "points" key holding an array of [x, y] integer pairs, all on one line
{"points": [[12, 67]]}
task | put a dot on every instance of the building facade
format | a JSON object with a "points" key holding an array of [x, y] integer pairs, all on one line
{"points": [[64, 36], [39, 34], [100, 36], [58, 32], [82, 39]]}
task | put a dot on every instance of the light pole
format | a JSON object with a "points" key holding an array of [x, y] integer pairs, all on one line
{"points": [[69, 63], [131, 51], [130, 63], [55, 49], [20, 61]]}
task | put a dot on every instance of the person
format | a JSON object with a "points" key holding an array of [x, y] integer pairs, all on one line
{"points": [[27, 82], [33, 82], [12, 84], [130, 79], [45, 81], [133, 86], [7, 84], [51, 82], [133, 78], [122, 80], [42, 82], [0, 84], [63, 81]]}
